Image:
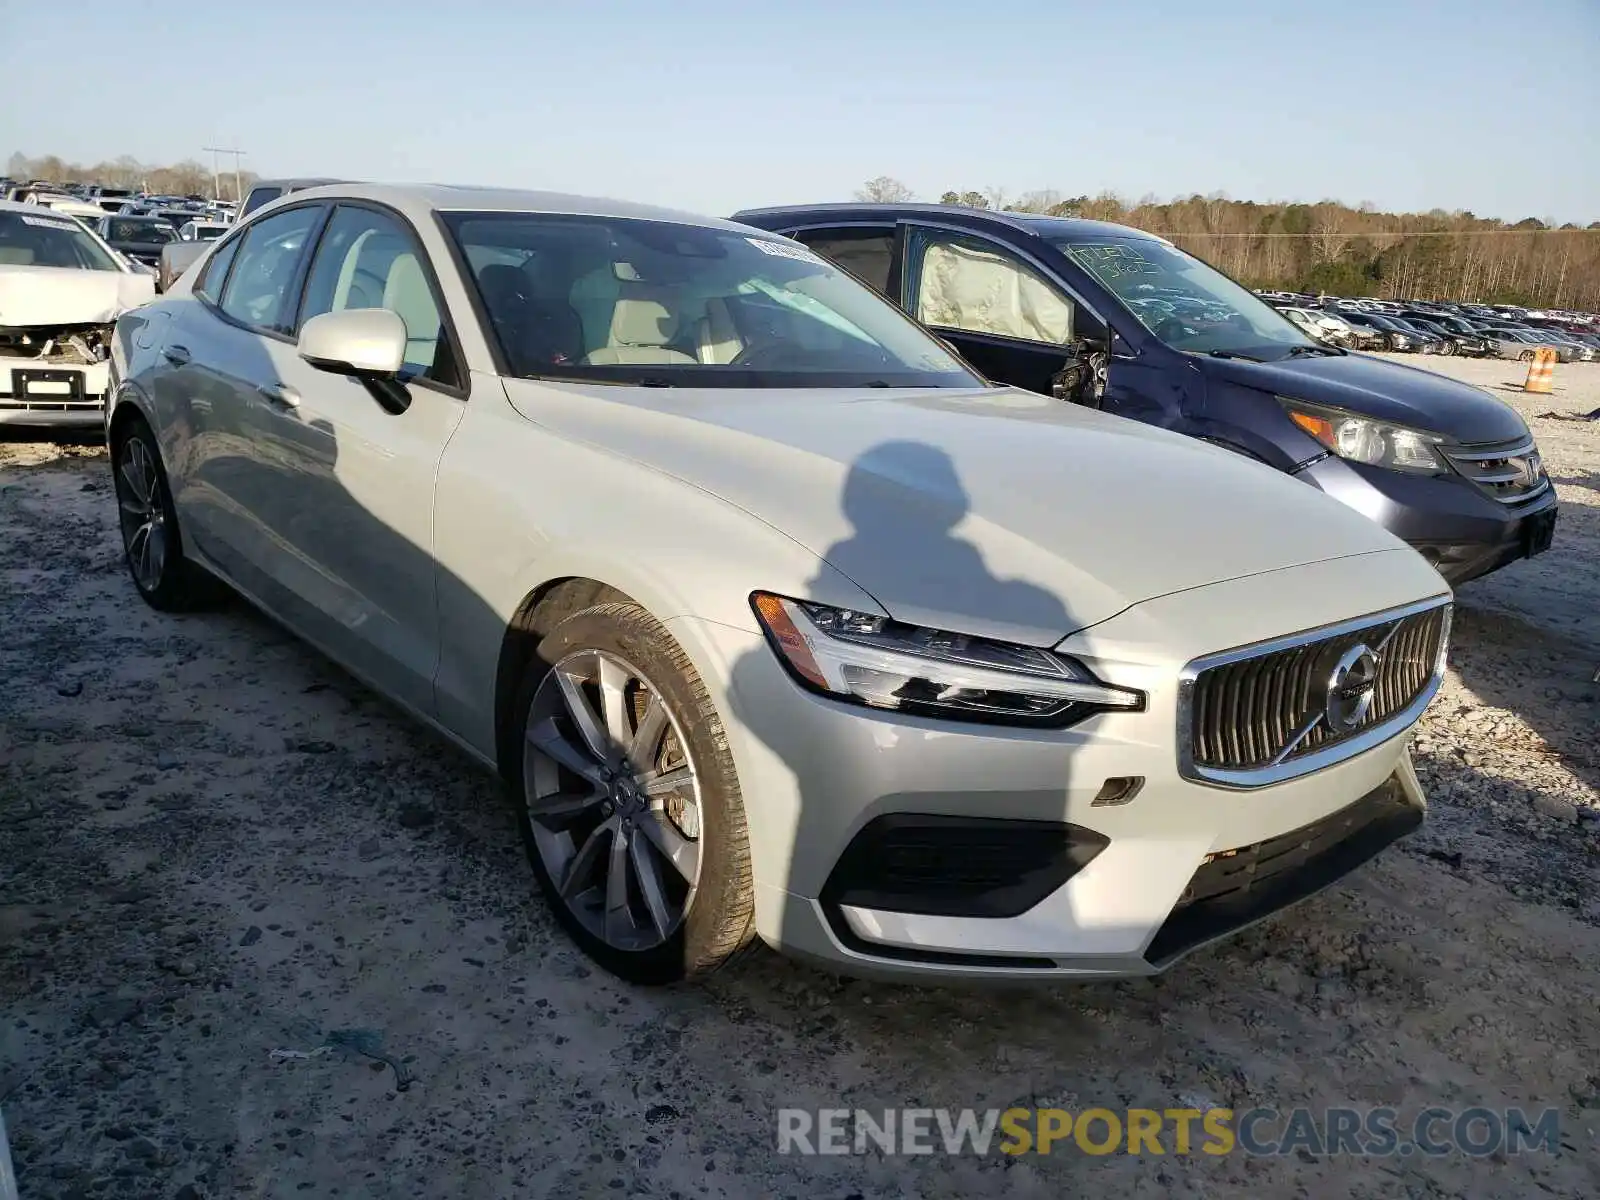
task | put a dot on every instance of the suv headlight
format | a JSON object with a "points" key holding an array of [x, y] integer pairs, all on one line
{"points": [[1362, 439], [872, 660]]}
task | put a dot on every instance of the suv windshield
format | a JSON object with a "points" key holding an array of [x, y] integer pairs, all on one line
{"points": [[1209, 311], [49, 240], [654, 303], [149, 232]]}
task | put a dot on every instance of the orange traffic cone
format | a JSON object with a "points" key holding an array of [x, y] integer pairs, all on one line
{"points": [[1541, 371]]}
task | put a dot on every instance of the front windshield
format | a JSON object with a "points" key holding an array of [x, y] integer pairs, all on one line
{"points": [[150, 232], [653, 303], [1209, 312], [50, 240]]}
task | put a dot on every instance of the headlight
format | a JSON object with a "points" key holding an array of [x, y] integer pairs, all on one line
{"points": [[872, 660], [1361, 439]]}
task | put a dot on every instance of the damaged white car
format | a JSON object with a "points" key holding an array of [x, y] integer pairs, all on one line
{"points": [[61, 290]]}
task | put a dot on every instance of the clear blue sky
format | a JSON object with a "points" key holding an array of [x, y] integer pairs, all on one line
{"points": [[716, 104]]}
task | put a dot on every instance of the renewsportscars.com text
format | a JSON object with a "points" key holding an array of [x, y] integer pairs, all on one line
{"points": [[1362, 1132]]}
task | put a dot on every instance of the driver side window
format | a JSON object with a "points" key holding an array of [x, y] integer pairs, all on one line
{"points": [[368, 259], [973, 285]]}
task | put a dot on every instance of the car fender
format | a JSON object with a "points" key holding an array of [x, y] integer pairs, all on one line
{"points": [[674, 548]]}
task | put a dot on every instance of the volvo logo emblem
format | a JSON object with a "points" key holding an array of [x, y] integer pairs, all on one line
{"points": [[1350, 689]]}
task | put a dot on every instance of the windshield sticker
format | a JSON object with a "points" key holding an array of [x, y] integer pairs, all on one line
{"points": [[48, 223], [785, 250]]}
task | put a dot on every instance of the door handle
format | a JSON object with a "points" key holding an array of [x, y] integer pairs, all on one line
{"points": [[280, 394], [178, 355]]}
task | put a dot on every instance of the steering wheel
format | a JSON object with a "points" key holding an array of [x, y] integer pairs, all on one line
{"points": [[1170, 328]]}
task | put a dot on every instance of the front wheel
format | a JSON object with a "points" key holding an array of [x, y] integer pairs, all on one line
{"points": [[1525, 356], [629, 802]]}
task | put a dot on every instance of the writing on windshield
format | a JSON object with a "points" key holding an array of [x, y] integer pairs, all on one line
{"points": [[1187, 304]]}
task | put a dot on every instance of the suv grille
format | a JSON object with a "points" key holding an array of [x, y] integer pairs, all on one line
{"points": [[1511, 472], [1266, 713]]}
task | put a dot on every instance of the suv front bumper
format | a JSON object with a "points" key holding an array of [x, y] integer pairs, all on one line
{"points": [[1448, 519]]}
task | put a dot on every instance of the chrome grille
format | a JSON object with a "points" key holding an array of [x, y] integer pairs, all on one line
{"points": [[1265, 713], [1511, 472]]}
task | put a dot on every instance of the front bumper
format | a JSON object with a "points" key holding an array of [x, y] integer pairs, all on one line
{"points": [[1462, 531], [818, 775], [56, 394]]}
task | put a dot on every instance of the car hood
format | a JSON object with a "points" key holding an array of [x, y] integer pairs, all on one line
{"points": [[1386, 390], [65, 296], [997, 513]]}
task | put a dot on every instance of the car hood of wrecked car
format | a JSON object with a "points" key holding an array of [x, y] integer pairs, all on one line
{"points": [[67, 296]]}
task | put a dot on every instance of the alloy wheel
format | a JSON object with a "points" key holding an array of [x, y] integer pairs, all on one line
{"points": [[143, 513], [613, 800]]}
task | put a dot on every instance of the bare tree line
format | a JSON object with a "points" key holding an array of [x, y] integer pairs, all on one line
{"points": [[187, 178], [1332, 247]]}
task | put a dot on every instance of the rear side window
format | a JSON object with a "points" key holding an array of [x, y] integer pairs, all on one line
{"points": [[368, 259], [865, 253], [259, 291], [216, 272], [257, 198]]}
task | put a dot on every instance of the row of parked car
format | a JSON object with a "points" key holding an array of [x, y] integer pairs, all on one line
{"points": [[137, 225], [79, 198], [1437, 327]]}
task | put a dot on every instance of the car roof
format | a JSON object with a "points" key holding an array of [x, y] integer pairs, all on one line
{"points": [[307, 181], [1039, 224], [418, 200]]}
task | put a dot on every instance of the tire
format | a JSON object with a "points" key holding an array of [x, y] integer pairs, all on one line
{"points": [[1447, 349], [685, 903], [152, 543], [1525, 356]]}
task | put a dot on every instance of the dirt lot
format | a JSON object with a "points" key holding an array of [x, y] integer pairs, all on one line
{"points": [[216, 846]]}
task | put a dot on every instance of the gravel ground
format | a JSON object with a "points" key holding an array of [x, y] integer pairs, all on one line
{"points": [[217, 846]]}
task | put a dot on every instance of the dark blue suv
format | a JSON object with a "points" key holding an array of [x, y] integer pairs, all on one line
{"points": [[1122, 319]]}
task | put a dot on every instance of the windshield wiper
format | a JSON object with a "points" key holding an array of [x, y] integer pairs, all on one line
{"points": [[1333, 350], [1234, 354]]}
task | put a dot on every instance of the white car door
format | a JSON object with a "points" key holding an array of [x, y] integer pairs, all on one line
{"points": [[353, 509], [221, 355]]}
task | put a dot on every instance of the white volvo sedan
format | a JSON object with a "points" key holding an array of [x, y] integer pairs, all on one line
{"points": [[778, 622]]}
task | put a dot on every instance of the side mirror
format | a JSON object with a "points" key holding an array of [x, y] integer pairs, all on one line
{"points": [[369, 343]]}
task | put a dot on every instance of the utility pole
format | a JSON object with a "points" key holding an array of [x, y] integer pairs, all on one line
{"points": [[215, 184]]}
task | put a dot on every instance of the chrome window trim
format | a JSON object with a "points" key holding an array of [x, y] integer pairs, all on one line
{"points": [[1281, 772]]}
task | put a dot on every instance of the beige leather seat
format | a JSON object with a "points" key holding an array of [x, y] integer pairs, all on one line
{"points": [[717, 340], [641, 329], [406, 293]]}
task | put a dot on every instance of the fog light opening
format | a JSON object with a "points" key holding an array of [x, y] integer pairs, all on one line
{"points": [[1119, 789]]}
